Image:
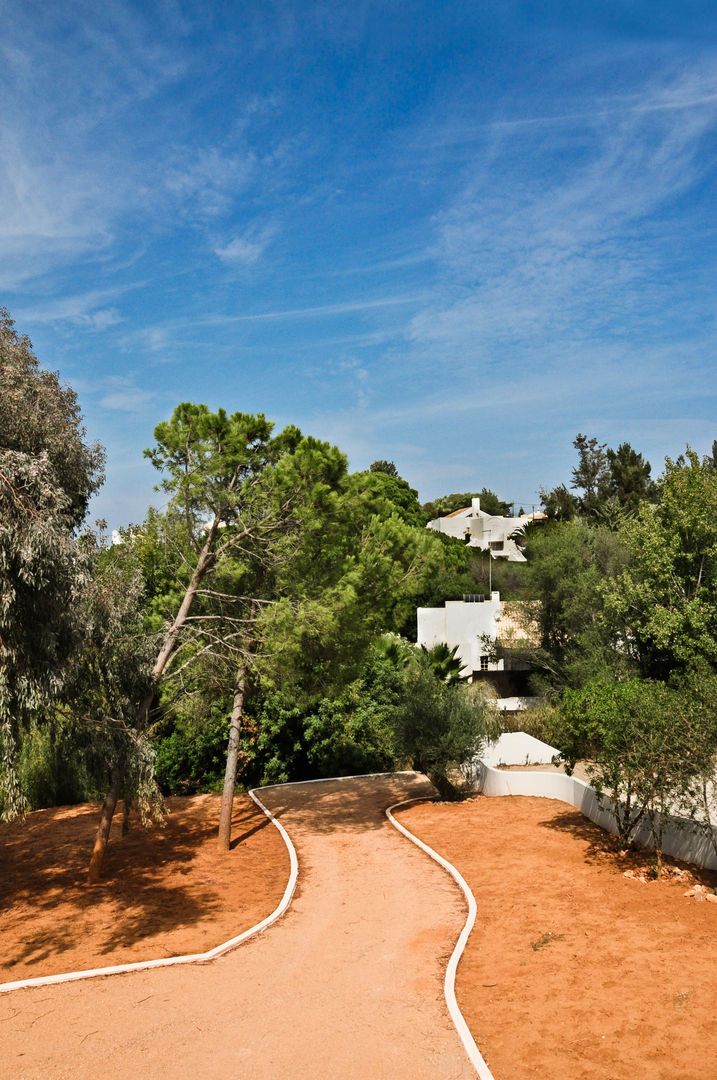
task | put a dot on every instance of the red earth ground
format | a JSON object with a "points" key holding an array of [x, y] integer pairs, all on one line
{"points": [[573, 970], [165, 891]]}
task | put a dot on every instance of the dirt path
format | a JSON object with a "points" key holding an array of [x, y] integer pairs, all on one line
{"points": [[347, 984]]}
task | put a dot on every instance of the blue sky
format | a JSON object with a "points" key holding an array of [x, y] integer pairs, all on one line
{"points": [[450, 235]]}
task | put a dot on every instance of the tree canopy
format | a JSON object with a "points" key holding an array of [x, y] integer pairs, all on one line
{"points": [[47, 474]]}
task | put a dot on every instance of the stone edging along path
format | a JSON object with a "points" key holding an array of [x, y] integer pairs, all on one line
{"points": [[193, 958], [456, 1016], [449, 985]]}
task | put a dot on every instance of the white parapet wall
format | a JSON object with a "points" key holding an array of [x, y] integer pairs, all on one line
{"points": [[682, 838]]}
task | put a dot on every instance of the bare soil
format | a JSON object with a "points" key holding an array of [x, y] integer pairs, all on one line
{"points": [[575, 970], [165, 891], [347, 984]]}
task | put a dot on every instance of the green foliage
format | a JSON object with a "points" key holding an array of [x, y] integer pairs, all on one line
{"points": [[335, 737], [568, 564], [109, 675], [664, 602], [639, 738], [437, 727], [401, 498], [611, 484], [559, 504], [630, 480], [382, 466], [47, 475], [444, 662], [356, 569], [56, 763], [191, 757], [591, 476], [210, 460]]}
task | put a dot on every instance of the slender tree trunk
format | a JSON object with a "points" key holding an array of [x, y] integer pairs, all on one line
{"points": [[230, 775], [169, 645], [103, 829], [126, 813]]}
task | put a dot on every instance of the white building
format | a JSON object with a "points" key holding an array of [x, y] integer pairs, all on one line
{"points": [[485, 531], [470, 624]]}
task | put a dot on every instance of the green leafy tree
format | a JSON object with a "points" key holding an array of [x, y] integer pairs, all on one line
{"points": [[388, 468], [568, 638], [559, 504], [104, 681], [47, 474], [610, 484], [439, 727], [639, 742], [591, 476], [324, 560], [630, 481], [663, 604], [392, 489]]}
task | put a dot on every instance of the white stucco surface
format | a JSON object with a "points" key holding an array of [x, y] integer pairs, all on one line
{"points": [[682, 838], [464, 625]]}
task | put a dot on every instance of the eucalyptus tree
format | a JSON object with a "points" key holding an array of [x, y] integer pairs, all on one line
{"points": [[48, 472]]}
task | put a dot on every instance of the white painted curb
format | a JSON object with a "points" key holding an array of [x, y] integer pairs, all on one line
{"points": [[200, 958], [194, 958], [449, 985]]}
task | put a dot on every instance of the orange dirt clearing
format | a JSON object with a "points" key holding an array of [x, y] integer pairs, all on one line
{"points": [[165, 891], [573, 970]]}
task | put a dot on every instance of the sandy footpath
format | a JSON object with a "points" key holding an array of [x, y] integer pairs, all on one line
{"points": [[347, 984]]}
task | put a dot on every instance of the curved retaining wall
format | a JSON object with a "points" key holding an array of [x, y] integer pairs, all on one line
{"points": [[682, 838]]}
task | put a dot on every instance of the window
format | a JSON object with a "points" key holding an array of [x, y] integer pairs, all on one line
{"points": [[484, 663]]}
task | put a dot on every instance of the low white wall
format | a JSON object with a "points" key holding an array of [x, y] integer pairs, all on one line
{"points": [[683, 839], [517, 748]]}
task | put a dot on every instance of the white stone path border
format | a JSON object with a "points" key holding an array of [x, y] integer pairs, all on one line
{"points": [[449, 984], [456, 1015], [194, 958]]}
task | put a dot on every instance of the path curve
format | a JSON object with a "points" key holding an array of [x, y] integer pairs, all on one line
{"points": [[347, 984]]}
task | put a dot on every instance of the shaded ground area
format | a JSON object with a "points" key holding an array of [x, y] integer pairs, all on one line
{"points": [[347, 984], [575, 971], [166, 891]]}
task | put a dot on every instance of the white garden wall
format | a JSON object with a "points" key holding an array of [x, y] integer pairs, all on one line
{"points": [[682, 838]]}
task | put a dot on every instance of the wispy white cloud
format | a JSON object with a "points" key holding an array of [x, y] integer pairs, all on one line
{"points": [[209, 180], [123, 395], [247, 249], [87, 309], [563, 246]]}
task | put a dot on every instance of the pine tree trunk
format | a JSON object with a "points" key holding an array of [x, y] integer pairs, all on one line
{"points": [[171, 638], [230, 775], [103, 829]]}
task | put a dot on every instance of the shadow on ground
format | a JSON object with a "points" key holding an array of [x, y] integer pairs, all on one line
{"points": [[149, 879], [336, 806], [603, 848]]}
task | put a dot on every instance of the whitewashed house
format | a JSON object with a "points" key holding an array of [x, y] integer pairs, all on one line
{"points": [[485, 531], [471, 624]]}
